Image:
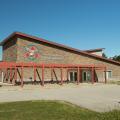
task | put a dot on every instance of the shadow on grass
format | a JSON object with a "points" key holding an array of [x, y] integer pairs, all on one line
{"points": [[51, 110]]}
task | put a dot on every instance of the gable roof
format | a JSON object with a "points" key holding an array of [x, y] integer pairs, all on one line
{"points": [[60, 46]]}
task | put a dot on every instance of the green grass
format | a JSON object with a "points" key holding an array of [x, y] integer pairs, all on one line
{"points": [[114, 82], [51, 110]]}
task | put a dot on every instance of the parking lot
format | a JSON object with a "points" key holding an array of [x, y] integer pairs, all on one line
{"points": [[97, 97]]}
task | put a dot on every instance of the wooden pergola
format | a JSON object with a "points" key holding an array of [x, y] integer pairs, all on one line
{"points": [[4, 66]]}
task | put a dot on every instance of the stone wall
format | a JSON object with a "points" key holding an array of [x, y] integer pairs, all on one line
{"points": [[53, 54], [10, 51], [20, 51]]}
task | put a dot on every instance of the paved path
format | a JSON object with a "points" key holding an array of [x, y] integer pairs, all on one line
{"points": [[97, 97]]}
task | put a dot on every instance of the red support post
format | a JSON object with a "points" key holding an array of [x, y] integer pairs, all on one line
{"points": [[42, 74], [34, 74], [67, 74], [6, 73], [11, 65], [10, 75], [15, 76], [93, 75], [15, 73], [105, 75], [78, 76], [61, 76], [21, 76]]}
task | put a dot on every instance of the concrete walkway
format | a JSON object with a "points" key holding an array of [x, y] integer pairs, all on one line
{"points": [[97, 97]]}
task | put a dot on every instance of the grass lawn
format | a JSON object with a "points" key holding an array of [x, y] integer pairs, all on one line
{"points": [[51, 110], [114, 82]]}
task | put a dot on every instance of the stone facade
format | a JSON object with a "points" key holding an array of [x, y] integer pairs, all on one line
{"points": [[10, 50], [51, 54]]}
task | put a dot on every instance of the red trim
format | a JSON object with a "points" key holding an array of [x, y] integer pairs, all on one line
{"points": [[31, 64]]}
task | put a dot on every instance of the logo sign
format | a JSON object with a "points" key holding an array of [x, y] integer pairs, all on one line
{"points": [[31, 52]]}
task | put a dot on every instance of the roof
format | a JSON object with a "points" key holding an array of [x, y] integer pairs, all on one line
{"points": [[94, 50], [19, 34]]}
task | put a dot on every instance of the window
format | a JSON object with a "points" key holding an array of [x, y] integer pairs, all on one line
{"points": [[73, 76], [108, 74], [86, 75]]}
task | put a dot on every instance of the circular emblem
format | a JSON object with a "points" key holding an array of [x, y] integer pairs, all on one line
{"points": [[31, 52]]}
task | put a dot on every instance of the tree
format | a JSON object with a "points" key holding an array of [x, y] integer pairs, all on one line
{"points": [[104, 55], [116, 58]]}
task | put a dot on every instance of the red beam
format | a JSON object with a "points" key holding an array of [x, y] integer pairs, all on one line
{"points": [[31, 64]]}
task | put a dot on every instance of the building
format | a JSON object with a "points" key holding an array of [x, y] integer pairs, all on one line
{"points": [[28, 58]]}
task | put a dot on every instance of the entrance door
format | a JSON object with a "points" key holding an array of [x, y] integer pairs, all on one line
{"points": [[86, 76], [108, 74], [73, 76]]}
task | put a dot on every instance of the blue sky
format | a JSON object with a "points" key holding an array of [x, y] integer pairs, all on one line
{"points": [[82, 24]]}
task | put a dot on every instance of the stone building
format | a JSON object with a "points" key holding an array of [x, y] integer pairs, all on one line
{"points": [[23, 48]]}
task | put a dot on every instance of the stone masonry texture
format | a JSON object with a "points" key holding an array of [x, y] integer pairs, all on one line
{"points": [[15, 50]]}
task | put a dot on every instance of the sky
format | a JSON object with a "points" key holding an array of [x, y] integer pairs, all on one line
{"points": [[81, 24]]}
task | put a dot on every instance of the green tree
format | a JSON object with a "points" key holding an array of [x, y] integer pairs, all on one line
{"points": [[104, 55], [116, 58]]}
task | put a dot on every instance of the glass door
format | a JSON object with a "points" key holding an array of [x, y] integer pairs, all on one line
{"points": [[86, 76], [73, 76]]}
